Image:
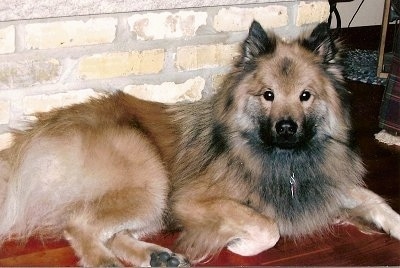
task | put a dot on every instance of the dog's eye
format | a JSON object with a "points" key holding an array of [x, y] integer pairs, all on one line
{"points": [[305, 95], [269, 95]]}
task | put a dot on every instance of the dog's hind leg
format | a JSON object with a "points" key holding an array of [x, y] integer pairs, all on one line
{"points": [[84, 239], [212, 224], [365, 204], [93, 225], [128, 192], [107, 230]]}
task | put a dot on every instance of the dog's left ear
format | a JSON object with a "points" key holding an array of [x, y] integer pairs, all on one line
{"points": [[257, 43], [321, 42]]}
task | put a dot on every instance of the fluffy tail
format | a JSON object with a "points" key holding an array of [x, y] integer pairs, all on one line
{"points": [[22, 208]]}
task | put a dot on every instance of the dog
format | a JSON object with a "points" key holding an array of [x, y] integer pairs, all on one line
{"points": [[269, 155]]}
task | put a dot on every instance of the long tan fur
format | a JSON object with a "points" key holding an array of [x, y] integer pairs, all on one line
{"points": [[269, 155]]}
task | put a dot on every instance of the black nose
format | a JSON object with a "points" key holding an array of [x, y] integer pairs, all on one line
{"points": [[286, 128]]}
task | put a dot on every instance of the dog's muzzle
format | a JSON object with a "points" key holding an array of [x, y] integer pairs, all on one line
{"points": [[286, 128], [286, 134]]}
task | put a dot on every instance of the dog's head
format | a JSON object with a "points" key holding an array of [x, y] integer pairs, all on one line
{"points": [[284, 94]]}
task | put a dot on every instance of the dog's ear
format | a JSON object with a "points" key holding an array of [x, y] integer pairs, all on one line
{"points": [[257, 43], [321, 42]]}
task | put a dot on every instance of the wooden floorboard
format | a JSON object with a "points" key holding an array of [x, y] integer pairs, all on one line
{"points": [[340, 246]]}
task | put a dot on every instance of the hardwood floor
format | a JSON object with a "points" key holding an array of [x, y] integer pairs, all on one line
{"points": [[341, 246]]}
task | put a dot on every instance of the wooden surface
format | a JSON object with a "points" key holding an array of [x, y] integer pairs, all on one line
{"points": [[341, 246], [381, 51]]}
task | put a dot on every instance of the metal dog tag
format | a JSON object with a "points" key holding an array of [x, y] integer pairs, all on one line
{"points": [[292, 185]]}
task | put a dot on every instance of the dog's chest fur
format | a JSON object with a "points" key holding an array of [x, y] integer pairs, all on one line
{"points": [[303, 198]]}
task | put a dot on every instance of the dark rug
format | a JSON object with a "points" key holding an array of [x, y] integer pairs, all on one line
{"points": [[361, 65]]}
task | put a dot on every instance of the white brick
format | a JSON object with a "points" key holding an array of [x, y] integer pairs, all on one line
{"points": [[44, 103], [7, 40], [4, 111], [169, 92], [28, 72], [70, 33], [239, 19], [312, 12], [165, 25], [5, 140]]}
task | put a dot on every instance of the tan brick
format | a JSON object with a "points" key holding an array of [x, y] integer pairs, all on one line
{"points": [[165, 25], [312, 12], [239, 19], [169, 92], [5, 140], [70, 33], [44, 103], [28, 73], [205, 56], [4, 111], [119, 64], [7, 40]]}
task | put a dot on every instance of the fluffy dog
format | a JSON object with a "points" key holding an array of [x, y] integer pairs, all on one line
{"points": [[268, 155]]}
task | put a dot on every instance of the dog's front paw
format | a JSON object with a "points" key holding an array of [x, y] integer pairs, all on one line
{"points": [[165, 259], [390, 223], [387, 219]]}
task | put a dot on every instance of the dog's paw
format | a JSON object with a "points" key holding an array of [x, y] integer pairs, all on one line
{"points": [[165, 259], [255, 239], [388, 220], [392, 226]]}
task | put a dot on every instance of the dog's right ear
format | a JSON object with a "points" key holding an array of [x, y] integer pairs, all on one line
{"points": [[257, 43], [322, 43]]}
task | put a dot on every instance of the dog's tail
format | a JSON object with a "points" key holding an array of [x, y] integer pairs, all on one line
{"points": [[21, 213]]}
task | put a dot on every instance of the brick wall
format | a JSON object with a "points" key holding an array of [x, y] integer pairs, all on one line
{"points": [[165, 55]]}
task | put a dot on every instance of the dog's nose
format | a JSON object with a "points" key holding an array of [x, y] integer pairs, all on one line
{"points": [[286, 128]]}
